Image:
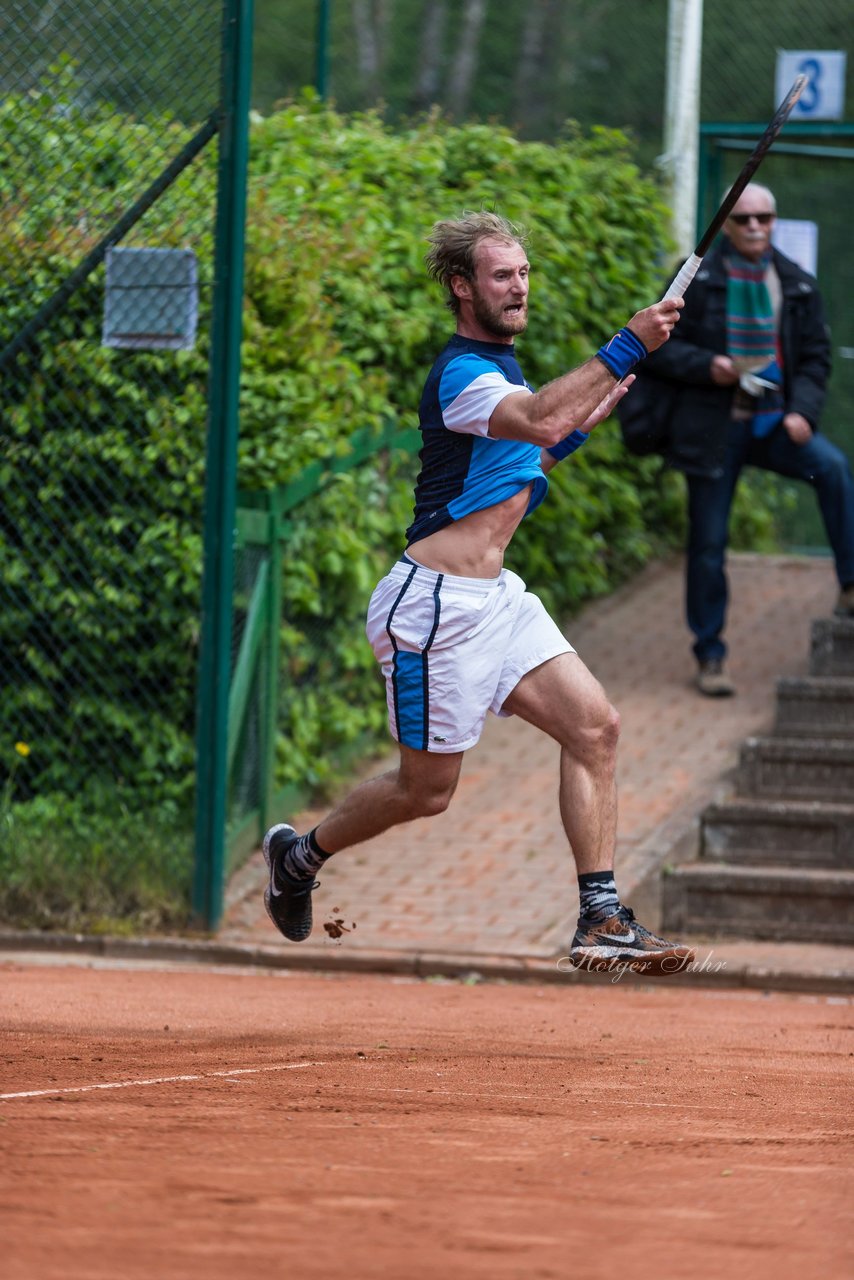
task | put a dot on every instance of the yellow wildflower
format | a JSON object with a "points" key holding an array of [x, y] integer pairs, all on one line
{"points": [[22, 749]]}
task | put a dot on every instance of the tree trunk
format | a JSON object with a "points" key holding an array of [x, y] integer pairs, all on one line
{"points": [[370, 24], [464, 66], [430, 61], [540, 22]]}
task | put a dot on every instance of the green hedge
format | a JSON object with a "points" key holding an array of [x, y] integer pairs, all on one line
{"points": [[102, 452]]}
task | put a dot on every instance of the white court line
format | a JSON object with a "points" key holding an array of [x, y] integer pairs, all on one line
{"points": [[130, 1084]]}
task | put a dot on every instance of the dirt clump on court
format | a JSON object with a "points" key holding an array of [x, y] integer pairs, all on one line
{"points": [[337, 927], [219, 1124]]}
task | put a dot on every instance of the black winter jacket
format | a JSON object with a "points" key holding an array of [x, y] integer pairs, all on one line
{"points": [[701, 409]]}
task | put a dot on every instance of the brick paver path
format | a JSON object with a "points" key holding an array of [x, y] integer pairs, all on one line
{"points": [[493, 875]]}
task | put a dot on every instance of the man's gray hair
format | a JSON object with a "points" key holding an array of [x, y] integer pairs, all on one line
{"points": [[757, 186], [453, 246]]}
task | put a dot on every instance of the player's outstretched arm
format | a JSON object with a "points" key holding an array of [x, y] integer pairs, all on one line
{"points": [[566, 404]]}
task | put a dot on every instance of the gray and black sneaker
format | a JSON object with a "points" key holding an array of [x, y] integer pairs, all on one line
{"points": [[621, 942], [288, 901], [712, 679]]}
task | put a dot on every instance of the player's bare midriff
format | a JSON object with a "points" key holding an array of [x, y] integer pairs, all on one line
{"points": [[474, 546]]}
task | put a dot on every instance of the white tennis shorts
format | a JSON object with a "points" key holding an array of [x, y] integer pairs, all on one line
{"points": [[452, 649]]}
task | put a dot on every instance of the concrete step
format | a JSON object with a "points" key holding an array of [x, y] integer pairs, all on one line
{"points": [[832, 647], [797, 769], [815, 707], [801, 833], [778, 903]]}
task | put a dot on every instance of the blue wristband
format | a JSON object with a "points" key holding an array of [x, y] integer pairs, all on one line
{"points": [[622, 353], [568, 444]]}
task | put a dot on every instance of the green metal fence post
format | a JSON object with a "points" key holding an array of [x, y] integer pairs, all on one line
{"points": [[221, 470], [271, 682]]}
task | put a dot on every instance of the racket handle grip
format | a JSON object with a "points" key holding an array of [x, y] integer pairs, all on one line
{"points": [[686, 274]]}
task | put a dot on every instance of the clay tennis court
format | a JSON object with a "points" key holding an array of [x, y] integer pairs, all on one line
{"points": [[182, 1122]]}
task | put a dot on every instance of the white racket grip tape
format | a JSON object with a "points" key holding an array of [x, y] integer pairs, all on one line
{"points": [[683, 279]]}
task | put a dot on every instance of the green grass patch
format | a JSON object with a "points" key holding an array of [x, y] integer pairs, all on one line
{"points": [[94, 864]]}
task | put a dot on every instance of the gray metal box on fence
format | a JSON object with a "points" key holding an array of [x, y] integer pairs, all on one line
{"points": [[151, 301]]}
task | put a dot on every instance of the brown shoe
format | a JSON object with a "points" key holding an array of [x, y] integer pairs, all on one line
{"points": [[845, 603], [713, 681]]}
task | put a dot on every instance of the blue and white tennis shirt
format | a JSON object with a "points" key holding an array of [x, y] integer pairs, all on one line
{"points": [[463, 469]]}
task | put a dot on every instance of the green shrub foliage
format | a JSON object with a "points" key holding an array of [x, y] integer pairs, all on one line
{"points": [[102, 452]]}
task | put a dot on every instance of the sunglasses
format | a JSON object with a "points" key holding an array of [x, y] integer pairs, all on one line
{"points": [[742, 219]]}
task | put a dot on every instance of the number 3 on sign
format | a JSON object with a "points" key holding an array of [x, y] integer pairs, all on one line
{"points": [[824, 95], [811, 96]]}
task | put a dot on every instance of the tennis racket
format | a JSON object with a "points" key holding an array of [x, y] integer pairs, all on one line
{"points": [[689, 269]]}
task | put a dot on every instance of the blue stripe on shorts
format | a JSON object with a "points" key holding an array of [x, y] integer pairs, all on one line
{"points": [[411, 698], [410, 679]]}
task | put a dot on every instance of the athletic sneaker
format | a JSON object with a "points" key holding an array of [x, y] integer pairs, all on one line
{"points": [[621, 941], [712, 679], [288, 900]]}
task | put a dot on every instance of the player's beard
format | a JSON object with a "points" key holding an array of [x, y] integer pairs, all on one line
{"points": [[495, 319]]}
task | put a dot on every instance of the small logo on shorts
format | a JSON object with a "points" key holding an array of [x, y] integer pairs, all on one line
{"points": [[436, 738]]}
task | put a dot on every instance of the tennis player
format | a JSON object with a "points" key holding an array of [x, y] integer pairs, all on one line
{"points": [[457, 634]]}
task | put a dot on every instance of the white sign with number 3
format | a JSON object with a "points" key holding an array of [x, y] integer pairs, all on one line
{"points": [[824, 95]]}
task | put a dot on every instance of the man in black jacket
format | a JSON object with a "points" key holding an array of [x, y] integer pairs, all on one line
{"points": [[751, 358]]}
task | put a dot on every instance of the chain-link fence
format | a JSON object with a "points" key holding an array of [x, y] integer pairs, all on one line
{"points": [[107, 215], [532, 66], [108, 180]]}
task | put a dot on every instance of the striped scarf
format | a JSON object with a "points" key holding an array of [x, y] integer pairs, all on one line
{"points": [[752, 341]]}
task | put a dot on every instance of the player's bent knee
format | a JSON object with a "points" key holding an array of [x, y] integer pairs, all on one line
{"points": [[431, 803], [603, 726], [432, 806], [607, 735], [594, 743]]}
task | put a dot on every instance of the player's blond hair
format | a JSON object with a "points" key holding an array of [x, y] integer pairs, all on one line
{"points": [[453, 246]]}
